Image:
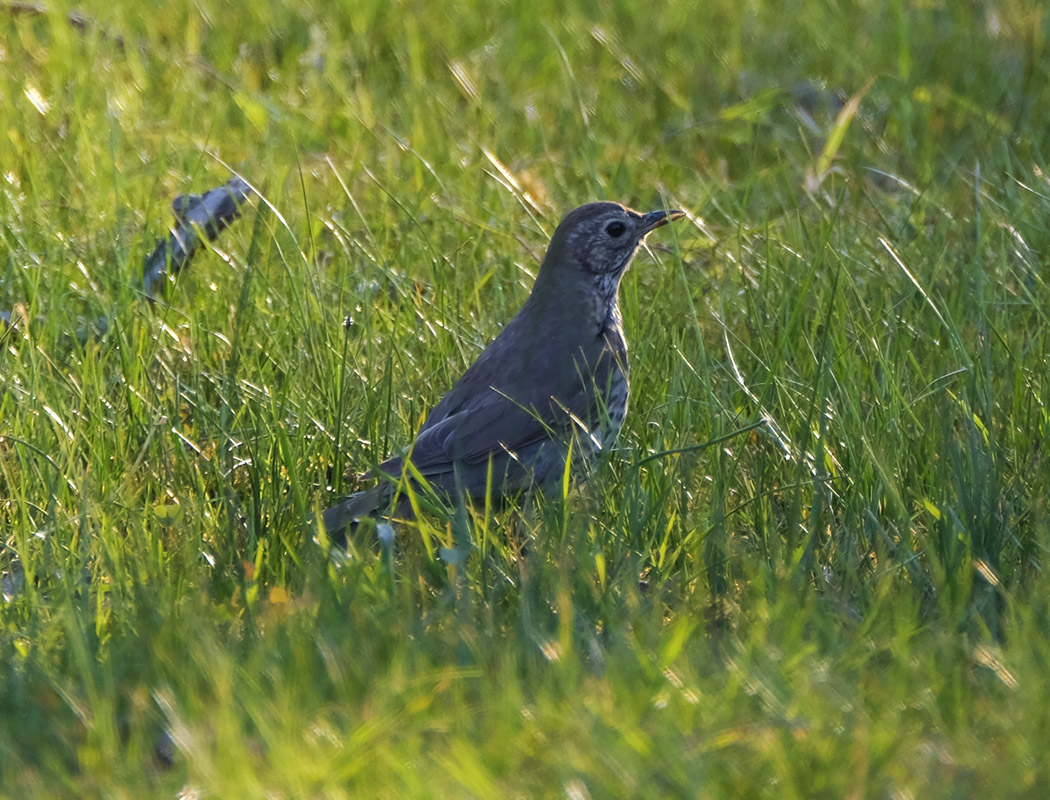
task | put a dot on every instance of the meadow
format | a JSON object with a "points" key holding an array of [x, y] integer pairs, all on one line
{"points": [[813, 566]]}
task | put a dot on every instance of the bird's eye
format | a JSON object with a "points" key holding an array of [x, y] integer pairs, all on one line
{"points": [[615, 229]]}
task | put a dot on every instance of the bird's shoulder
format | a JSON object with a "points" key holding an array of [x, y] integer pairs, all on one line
{"points": [[526, 365]]}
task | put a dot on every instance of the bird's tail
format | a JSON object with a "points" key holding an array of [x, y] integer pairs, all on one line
{"points": [[352, 508]]}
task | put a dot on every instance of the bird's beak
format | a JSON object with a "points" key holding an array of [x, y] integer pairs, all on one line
{"points": [[656, 219]]}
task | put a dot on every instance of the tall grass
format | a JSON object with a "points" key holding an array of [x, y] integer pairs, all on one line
{"points": [[811, 567]]}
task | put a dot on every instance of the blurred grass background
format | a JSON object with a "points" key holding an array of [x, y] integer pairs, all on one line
{"points": [[848, 601]]}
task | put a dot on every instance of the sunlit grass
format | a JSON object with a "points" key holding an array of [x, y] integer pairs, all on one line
{"points": [[840, 595]]}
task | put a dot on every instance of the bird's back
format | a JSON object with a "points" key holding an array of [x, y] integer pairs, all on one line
{"points": [[534, 388]]}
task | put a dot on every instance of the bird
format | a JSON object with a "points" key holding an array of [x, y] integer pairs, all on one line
{"points": [[554, 381]]}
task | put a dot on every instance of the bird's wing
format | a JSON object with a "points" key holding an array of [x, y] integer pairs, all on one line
{"points": [[508, 410], [492, 422]]}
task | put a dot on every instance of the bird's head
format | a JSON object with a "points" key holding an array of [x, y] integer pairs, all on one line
{"points": [[597, 241]]}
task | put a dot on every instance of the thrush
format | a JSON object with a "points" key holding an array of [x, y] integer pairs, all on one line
{"points": [[554, 381]]}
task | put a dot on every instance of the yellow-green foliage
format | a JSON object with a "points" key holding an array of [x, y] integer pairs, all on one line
{"points": [[846, 599]]}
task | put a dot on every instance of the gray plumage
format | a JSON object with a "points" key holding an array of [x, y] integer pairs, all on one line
{"points": [[556, 374]]}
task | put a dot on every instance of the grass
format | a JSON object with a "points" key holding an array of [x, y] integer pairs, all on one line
{"points": [[847, 600]]}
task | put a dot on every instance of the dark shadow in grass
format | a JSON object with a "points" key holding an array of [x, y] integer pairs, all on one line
{"points": [[198, 217], [195, 214]]}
